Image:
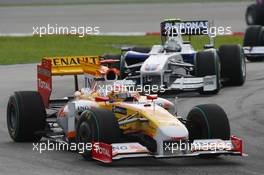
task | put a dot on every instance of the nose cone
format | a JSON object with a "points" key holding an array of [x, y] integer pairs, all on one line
{"points": [[170, 133], [173, 132]]}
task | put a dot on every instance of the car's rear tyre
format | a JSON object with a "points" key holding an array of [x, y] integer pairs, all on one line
{"points": [[97, 125], [26, 115], [207, 63], [208, 121], [233, 65], [253, 15]]}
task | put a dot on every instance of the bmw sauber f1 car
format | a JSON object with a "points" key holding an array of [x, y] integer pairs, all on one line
{"points": [[119, 123], [175, 65], [254, 43]]}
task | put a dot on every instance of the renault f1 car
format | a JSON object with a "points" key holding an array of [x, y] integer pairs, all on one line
{"points": [[119, 123], [175, 65]]}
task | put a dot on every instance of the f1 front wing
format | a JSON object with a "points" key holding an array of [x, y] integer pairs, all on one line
{"points": [[207, 83], [107, 153], [256, 51]]}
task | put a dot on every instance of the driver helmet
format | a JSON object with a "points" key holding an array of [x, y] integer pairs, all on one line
{"points": [[172, 45]]}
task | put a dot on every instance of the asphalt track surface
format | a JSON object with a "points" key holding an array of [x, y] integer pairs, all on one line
{"points": [[244, 106], [120, 17]]}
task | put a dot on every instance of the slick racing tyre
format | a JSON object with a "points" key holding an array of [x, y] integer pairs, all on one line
{"points": [[252, 36], [208, 121], [26, 116], [233, 65], [97, 125], [207, 63], [254, 15]]}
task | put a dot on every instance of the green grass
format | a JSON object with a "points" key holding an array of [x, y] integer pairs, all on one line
{"points": [[30, 49]]}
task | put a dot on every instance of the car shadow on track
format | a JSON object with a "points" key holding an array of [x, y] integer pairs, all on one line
{"points": [[181, 162], [183, 95]]}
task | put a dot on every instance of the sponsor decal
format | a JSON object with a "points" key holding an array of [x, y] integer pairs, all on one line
{"points": [[187, 25], [120, 147], [184, 27], [119, 110], [44, 80], [83, 108], [73, 61], [43, 85], [44, 72], [127, 148], [61, 113], [102, 152], [88, 81]]}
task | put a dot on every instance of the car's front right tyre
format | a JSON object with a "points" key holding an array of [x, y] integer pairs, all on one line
{"points": [[207, 64], [97, 125]]}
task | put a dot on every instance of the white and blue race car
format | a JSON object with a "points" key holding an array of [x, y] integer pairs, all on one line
{"points": [[175, 65], [254, 43]]}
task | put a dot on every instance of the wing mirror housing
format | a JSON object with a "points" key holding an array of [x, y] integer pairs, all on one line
{"points": [[152, 97], [102, 99]]}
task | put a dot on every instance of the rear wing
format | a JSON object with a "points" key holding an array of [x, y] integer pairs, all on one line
{"points": [[60, 66], [175, 27], [70, 65]]}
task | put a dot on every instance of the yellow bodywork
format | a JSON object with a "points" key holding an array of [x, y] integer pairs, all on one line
{"points": [[155, 115]]}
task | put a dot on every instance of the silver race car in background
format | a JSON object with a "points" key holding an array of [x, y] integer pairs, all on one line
{"points": [[254, 43], [175, 65]]}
